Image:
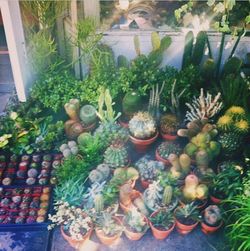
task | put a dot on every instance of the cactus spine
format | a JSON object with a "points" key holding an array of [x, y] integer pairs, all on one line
{"points": [[99, 203], [167, 195]]}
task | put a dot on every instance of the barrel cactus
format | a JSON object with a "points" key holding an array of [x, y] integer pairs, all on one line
{"points": [[88, 114], [100, 174], [166, 148], [142, 125], [131, 103], [169, 124], [116, 156]]}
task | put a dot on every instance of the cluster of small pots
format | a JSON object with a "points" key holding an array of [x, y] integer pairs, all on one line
{"points": [[29, 169], [24, 205]]}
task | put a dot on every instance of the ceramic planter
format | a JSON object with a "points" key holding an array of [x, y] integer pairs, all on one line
{"points": [[158, 233], [142, 145], [76, 243], [108, 240], [207, 229], [169, 137], [159, 158]]}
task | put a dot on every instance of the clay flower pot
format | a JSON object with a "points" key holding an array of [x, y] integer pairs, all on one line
{"points": [[135, 194], [134, 236], [160, 234], [207, 229], [142, 145], [159, 158], [215, 200], [183, 228], [108, 240], [169, 137], [76, 243]]}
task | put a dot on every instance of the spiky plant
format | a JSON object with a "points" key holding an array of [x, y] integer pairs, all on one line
{"points": [[230, 142], [224, 123], [169, 124], [236, 111], [241, 126], [166, 148]]}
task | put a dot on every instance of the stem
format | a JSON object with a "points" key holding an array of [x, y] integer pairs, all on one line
{"points": [[220, 55]]}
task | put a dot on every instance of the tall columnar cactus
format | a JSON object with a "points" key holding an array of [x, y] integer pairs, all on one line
{"points": [[116, 156], [131, 103], [167, 195], [99, 203], [155, 40], [189, 40], [72, 109], [142, 125], [122, 61], [199, 47], [137, 45], [88, 114]]}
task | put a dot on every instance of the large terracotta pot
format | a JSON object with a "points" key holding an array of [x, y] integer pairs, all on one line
{"points": [[169, 137], [158, 233], [76, 243], [142, 145], [159, 158], [108, 240], [182, 228], [210, 229]]}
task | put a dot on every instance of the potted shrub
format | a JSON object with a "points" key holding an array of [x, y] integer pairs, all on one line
{"points": [[143, 131], [186, 218], [169, 126], [108, 228], [162, 223], [76, 225], [135, 224], [164, 150], [148, 170], [211, 219]]}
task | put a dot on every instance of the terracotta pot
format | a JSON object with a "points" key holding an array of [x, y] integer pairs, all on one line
{"points": [[76, 243], [135, 194], [142, 145], [202, 206], [134, 236], [108, 240], [182, 228], [169, 137], [157, 233], [123, 123], [159, 158], [209, 229], [215, 200], [145, 183]]}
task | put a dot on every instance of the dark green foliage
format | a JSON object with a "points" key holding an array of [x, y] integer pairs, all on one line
{"points": [[232, 66], [208, 69], [189, 40], [122, 61], [131, 103], [199, 47]]}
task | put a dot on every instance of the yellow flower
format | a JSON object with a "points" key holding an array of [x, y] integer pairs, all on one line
{"points": [[224, 122], [242, 126], [236, 110]]}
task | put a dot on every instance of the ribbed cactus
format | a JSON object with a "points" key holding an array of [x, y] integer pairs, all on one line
{"points": [[137, 45], [169, 124], [131, 103], [88, 114], [122, 61], [189, 40], [72, 109], [99, 203], [232, 66], [155, 40], [199, 48], [202, 158], [167, 195], [166, 148], [185, 162], [116, 156], [100, 174], [142, 125]]}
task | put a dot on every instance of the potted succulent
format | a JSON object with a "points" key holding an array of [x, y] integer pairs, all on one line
{"points": [[186, 218], [76, 225], [135, 224], [148, 170], [108, 228], [162, 223], [143, 131], [211, 219], [164, 150], [169, 126]]}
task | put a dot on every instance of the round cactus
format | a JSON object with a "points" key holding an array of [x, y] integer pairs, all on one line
{"points": [[166, 148], [142, 125], [88, 114], [169, 124], [212, 215], [131, 103]]}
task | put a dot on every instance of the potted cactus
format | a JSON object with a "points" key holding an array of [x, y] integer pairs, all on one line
{"points": [[135, 224], [211, 220], [88, 117], [164, 150], [116, 156], [148, 170], [100, 174], [143, 131], [169, 126], [186, 218], [108, 228], [162, 223]]}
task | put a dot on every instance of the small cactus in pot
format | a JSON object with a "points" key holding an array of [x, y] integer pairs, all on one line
{"points": [[116, 156], [169, 125], [88, 115]]}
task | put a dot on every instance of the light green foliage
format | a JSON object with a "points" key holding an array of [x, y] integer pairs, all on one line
{"points": [[163, 218]]}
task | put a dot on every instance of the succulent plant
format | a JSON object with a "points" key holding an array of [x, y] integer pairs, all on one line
{"points": [[167, 195], [149, 169], [72, 109], [88, 114], [100, 174], [131, 103], [109, 132], [116, 156], [166, 148], [163, 219], [142, 125], [169, 124], [212, 215], [69, 149], [99, 203], [188, 211]]}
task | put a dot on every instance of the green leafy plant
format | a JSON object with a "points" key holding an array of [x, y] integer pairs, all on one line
{"points": [[187, 212], [162, 219]]}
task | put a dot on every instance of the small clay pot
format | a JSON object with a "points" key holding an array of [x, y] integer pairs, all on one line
{"points": [[108, 240], [169, 137], [142, 145], [207, 229], [158, 233], [159, 158], [145, 183]]}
